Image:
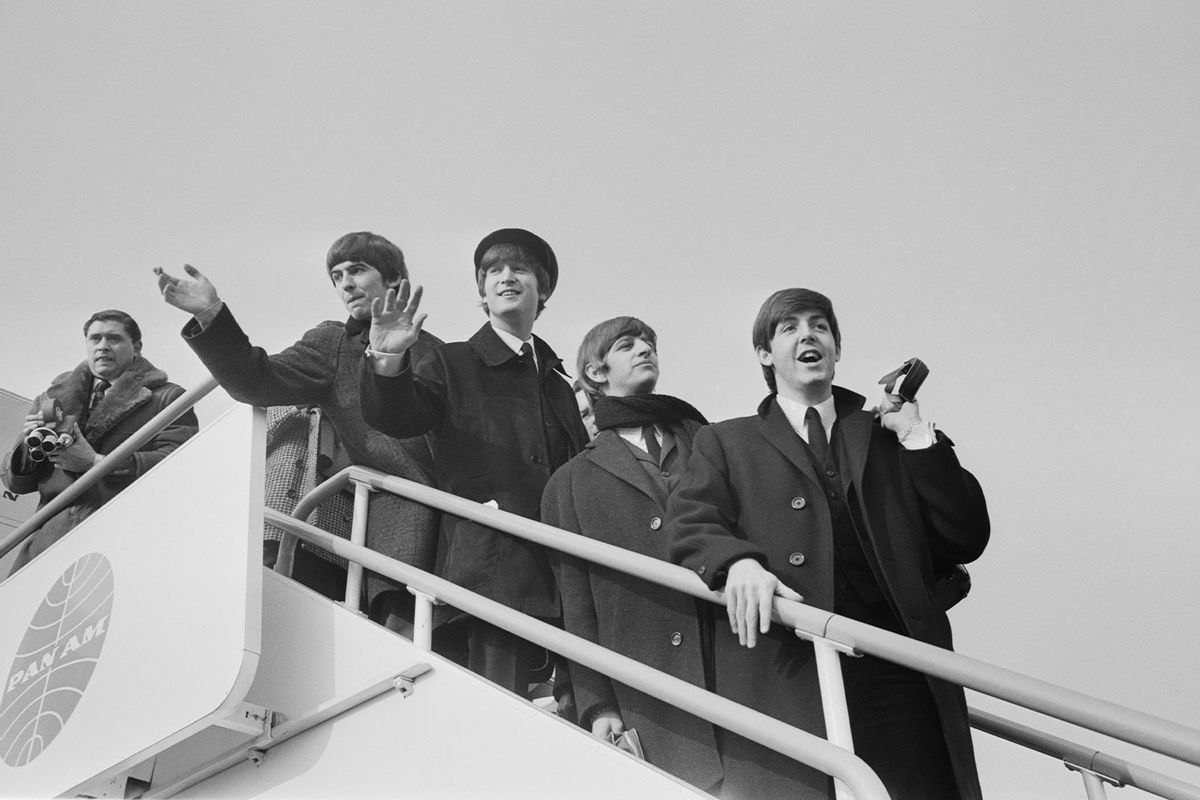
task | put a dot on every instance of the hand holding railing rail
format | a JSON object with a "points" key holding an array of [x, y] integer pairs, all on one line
{"points": [[766, 730], [89, 479], [1101, 716], [1144, 730]]}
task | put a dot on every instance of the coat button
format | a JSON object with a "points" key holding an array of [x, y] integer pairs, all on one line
{"points": [[834, 495], [700, 570], [796, 559], [656, 523], [536, 460], [677, 638], [799, 503], [665, 474]]}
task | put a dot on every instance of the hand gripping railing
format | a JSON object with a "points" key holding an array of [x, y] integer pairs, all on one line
{"points": [[765, 730], [829, 631], [89, 479]]}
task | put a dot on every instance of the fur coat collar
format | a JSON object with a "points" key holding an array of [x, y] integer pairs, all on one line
{"points": [[131, 390]]}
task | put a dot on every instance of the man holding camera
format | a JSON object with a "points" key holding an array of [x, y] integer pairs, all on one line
{"points": [[98, 406]]}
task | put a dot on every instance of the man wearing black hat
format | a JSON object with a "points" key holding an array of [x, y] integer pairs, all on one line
{"points": [[502, 418]]}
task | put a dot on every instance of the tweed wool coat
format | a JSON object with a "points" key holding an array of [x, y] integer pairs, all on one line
{"points": [[606, 493], [133, 399], [294, 456], [751, 491], [322, 370], [487, 416]]}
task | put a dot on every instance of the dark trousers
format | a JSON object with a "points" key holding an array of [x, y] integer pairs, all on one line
{"points": [[896, 729], [323, 577], [504, 658]]}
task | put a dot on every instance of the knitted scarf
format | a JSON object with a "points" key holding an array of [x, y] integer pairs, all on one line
{"points": [[638, 411]]}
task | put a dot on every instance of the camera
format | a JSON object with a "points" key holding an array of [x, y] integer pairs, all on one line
{"points": [[53, 434]]}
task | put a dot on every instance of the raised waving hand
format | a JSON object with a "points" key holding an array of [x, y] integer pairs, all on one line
{"points": [[395, 325]]}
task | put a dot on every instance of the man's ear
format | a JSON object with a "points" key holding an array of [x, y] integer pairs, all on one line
{"points": [[137, 348], [596, 373], [764, 356], [837, 354]]}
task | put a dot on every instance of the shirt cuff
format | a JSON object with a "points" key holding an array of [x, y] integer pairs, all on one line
{"points": [[918, 436]]}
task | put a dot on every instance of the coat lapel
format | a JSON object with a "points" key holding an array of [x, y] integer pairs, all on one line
{"points": [[775, 428], [854, 428], [490, 348], [129, 391], [610, 452], [72, 390]]}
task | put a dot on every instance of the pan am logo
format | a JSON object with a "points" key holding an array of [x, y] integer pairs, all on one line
{"points": [[56, 659]]}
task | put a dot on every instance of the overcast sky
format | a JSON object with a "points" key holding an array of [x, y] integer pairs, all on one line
{"points": [[1010, 191]]}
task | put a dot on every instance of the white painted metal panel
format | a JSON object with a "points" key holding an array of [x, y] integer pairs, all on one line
{"points": [[178, 637], [455, 736]]}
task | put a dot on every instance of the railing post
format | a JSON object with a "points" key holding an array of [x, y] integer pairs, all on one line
{"points": [[423, 619], [1093, 786], [1163, 737], [833, 698], [286, 555], [358, 536], [1093, 782]]}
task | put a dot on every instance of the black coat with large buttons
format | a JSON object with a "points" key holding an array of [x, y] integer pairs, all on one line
{"points": [[483, 407], [751, 492], [607, 493]]}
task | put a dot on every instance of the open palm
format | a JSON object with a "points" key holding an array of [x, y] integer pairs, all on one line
{"points": [[395, 323]]}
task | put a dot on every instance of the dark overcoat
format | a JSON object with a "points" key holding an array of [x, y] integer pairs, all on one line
{"points": [[751, 491], [488, 417], [606, 493], [134, 398], [322, 370]]}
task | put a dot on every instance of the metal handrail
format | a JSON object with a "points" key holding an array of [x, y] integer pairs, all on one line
{"points": [[1076, 756], [90, 478], [766, 730], [1101, 716]]}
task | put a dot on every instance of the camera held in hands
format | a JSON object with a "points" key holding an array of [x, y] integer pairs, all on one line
{"points": [[53, 434]]}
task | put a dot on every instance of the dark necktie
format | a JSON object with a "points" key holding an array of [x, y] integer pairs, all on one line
{"points": [[527, 354], [652, 445], [816, 434], [98, 393]]}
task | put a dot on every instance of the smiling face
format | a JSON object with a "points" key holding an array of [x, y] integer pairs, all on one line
{"points": [[510, 292], [357, 284], [630, 368], [110, 350], [803, 352]]}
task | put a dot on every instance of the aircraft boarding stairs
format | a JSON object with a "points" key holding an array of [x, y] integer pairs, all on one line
{"points": [[149, 654]]}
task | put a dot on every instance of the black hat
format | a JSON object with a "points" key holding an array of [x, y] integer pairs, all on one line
{"points": [[531, 241]]}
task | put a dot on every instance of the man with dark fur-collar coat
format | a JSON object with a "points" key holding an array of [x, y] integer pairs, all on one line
{"points": [[110, 396], [815, 498]]}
